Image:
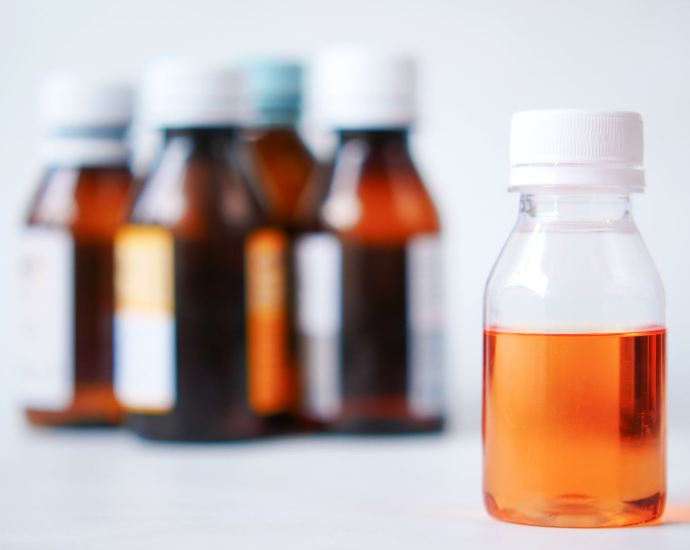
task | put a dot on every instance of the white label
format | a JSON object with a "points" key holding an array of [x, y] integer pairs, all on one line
{"points": [[144, 359], [45, 323], [425, 325], [318, 259], [145, 336]]}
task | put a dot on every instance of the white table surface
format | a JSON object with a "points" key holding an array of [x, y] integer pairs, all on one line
{"points": [[108, 490]]}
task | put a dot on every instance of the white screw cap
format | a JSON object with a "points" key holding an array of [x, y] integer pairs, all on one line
{"points": [[357, 87], [574, 148], [83, 120], [70, 100], [181, 92]]}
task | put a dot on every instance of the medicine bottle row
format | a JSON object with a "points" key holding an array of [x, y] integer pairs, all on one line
{"points": [[239, 289]]}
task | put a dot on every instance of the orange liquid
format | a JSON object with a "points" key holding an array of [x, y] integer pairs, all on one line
{"points": [[574, 428]]}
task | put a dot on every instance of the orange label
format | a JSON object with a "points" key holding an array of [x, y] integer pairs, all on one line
{"points": [[270, 377]]}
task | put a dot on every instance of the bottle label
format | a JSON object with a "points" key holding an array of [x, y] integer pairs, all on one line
{"points": [[318, 264], [45, 323], [145, 352], [425, 324], [370, 321], [271, 384]]}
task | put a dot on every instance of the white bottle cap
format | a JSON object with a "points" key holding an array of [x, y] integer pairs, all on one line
{"points": [[181, 92], [70, 100], [83, 120], [362, 88], [576, 149]]}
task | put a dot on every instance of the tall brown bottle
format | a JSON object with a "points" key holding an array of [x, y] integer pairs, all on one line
{"points": [[201, 319], [65, 344], [369, 276]]}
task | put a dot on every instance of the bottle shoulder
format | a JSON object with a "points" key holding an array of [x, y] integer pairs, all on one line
{"points": [[88, 201], [587, 276], [376, 197], [191, 191], [280, 166]]}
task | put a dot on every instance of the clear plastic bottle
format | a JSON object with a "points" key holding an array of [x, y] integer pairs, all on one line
{"points": [[64, 343], [201, 320], [368, 263], [574, 351]]}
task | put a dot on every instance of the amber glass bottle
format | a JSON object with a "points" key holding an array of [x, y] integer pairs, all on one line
{"points": [[201, 324], [65, 345], [368, 267], [274, 155], [276, 160]]}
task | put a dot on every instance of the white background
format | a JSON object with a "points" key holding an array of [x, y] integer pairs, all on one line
{"points": [[480, 62]]}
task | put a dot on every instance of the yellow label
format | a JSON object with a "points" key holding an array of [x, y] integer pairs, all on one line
{"points": [[145, 348], [144, 278], [271, 386]]}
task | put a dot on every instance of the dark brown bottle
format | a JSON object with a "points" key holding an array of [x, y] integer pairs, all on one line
{"points": [[201, 317], [369, 279], [65, 340]]}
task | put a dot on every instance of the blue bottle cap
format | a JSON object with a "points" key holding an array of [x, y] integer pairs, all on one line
{"points": [[274, 92]]}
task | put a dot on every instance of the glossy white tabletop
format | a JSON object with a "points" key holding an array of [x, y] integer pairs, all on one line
{"points": [[108, 490]]}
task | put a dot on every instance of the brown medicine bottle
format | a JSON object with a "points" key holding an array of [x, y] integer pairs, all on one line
{"points": [[65, 285], [368, 265], [275, 157], [201, 328]]}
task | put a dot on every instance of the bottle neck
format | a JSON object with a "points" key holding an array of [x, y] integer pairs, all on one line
{"points": [[200, 134], [205, 141], [281, 132], [275, 120], [572, 208], [376, 151], [384, 138], [85, 147]]}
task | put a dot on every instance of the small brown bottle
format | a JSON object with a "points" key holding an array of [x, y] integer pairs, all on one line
{"points": [[65, 347], [201, 324], [369, 278], [275, 157]]}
